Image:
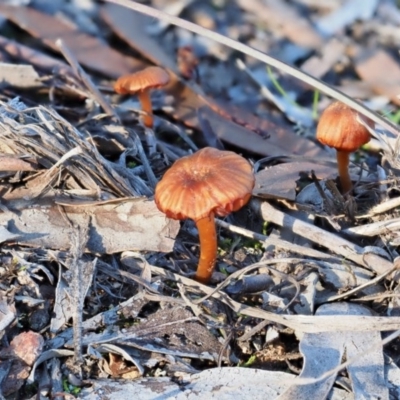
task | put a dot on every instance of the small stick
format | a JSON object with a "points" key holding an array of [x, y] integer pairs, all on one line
{"points": [[317, 235]]}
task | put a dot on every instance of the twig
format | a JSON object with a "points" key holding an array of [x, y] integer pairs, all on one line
{"points": [[370, 283], [314, 82], [85, 78], [303, 323], [267, 240], [78, 288], [317, 235]]}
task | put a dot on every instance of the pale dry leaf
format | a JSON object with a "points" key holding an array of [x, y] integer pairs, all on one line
{"points": [[19, 76], [320, 236], [7, 313], [119, 363], [323, 352], [5, 235], [218, 383], [48, 355], [345, 15], [124, 224]]}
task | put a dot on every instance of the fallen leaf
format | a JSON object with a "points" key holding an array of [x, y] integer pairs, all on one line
{"points": [[33, 57], [7, 313], [224, 383], [279, 181], [285, 19], [280, 142], [124, 224], [345, 14], [171, 330], [88, 50], [369, 67], [65, 307], [27, 346], [329, 54], [19, 76], [324, 351], [131, 27], [13, 163]]}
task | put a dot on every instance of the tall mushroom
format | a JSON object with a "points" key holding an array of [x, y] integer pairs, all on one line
{"points": [[338, 127], [207, 183], [142, 82]]}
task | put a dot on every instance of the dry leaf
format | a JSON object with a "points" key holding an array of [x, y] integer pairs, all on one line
{"points": [[27, 346], [12, 163], [131, 27], [324, 351], [370, 67], [348, 12], [88, 50], [285, 19], [281, 141], [19, 76], [33, 57], [124, 224], [279, 181]]}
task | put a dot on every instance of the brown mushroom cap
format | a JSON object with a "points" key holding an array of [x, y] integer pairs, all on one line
{"points": [[148, 78], [208, 181], [338, 128]]}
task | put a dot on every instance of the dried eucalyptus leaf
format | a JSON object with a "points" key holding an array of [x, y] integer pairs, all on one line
{"points": [[126, 224]]}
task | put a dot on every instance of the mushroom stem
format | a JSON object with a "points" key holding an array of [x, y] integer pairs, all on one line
{"points": [[145, 101], [343, 168], [208, 248]]}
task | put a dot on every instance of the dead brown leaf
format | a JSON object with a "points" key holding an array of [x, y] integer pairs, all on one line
{"points": [[33, 57], [131, 27], [27, 346], [89, 50], [280, 141], [381, 71], [279, 181], [22, 352]]}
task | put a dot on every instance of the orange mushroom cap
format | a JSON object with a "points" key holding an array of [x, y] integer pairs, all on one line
{"points": [[209, 180], [339, 128], [148, 78]]}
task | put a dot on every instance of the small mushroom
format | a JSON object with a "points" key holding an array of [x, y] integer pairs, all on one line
{"points": [[338, 127], [141, 83], [207, 183]]}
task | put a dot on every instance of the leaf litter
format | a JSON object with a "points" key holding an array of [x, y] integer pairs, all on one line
{"points": [[96, 283]]}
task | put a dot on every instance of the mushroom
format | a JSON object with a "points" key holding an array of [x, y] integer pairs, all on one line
{"points": [[207, 183], [142, 82], [338, 127]]}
